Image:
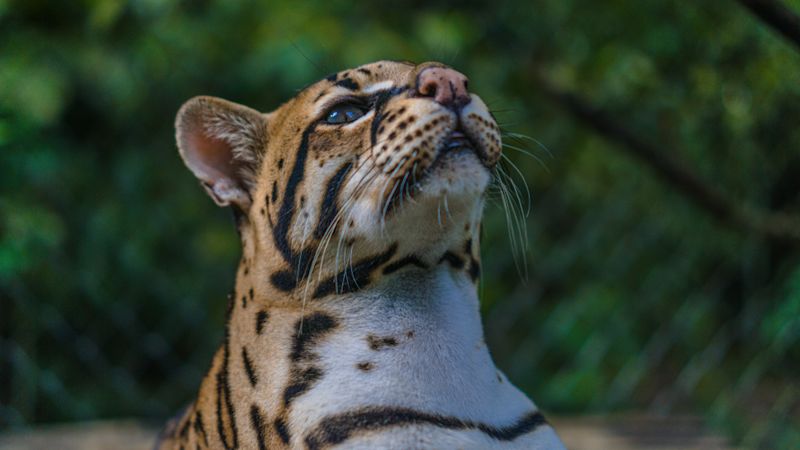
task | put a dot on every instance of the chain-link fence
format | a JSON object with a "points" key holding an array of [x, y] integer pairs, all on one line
{"points": [[114, 267]]}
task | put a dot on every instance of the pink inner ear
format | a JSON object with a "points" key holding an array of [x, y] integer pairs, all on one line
{"points": [[210, 159]]}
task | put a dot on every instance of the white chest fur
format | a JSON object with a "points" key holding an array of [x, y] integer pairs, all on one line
{"points": [[414, 342]]}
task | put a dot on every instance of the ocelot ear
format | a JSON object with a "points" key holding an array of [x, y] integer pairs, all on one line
{"points": [[222, 143]]}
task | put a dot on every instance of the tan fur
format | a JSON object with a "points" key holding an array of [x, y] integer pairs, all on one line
{"points": [[265, 316]]}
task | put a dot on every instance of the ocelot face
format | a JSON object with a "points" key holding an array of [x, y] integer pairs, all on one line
{"points": [[389, 145], [386, 152]]}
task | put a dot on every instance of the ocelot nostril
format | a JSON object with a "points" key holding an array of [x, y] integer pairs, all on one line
{"points": [[446, 86], [428, 89]]}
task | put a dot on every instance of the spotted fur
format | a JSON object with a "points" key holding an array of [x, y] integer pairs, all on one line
{"points": [[354, 322]]}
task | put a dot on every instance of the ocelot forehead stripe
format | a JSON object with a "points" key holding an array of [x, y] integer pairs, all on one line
{"points": [[369, 71], [347, 83], [366, 79]]}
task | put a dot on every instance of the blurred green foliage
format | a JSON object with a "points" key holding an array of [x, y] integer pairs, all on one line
{"points": [[114, 265]]}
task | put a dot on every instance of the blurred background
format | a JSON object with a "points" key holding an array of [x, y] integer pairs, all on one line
{"points": [[659, 141]]}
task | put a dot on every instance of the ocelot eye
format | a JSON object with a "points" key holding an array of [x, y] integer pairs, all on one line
{"points": [[345, 113]]}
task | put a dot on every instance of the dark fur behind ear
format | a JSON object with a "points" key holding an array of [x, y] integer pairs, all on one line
{"points": [[223, 144]]}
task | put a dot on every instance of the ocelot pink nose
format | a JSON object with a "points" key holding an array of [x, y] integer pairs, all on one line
{"points": [[447, 86]]}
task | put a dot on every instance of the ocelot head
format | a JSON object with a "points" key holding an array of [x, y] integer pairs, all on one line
{"points": [[367, 170]]}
